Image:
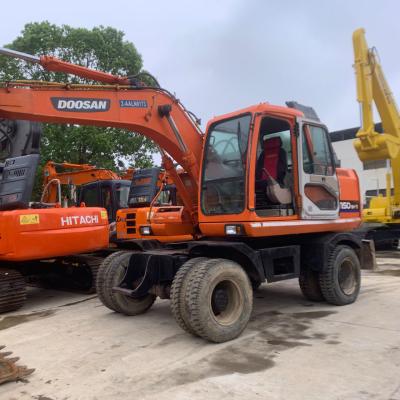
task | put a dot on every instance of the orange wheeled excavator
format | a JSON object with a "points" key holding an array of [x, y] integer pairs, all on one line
{"points": [[262, 197]]}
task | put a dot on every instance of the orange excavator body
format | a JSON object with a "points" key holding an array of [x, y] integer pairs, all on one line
{"points": [[164, 219], [35, 234]]}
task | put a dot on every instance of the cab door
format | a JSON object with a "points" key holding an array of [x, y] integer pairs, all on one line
{"points": [[318, 183]]}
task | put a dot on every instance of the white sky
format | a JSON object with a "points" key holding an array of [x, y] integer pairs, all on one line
{"points": [[220, 56]]}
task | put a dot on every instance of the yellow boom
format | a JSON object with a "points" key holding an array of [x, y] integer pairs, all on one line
{"points": [[372, 87]]}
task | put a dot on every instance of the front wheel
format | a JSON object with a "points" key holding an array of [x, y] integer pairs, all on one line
{"points": [[219, 298], [340, 281], [110, 274]]}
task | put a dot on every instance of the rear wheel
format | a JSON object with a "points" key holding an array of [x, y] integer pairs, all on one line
{"points": [[219, 298], [110, 274], [341, 279], [178, 293], [309, 284]]}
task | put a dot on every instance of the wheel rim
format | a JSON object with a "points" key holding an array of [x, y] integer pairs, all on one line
{"points": [[226, 302], [347, 277]]}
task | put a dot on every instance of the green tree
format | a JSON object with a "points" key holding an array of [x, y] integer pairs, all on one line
{"points": [[102, 48]]}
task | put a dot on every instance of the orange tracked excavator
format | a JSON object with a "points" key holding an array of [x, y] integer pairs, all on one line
{"points": [[35, 231], [262, 197]]}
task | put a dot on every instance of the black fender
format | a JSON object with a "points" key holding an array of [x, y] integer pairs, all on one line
{"points": [[316, 249], [240, 252]]}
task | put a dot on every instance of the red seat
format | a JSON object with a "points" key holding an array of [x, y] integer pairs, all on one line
{"points": [[272, 154]]}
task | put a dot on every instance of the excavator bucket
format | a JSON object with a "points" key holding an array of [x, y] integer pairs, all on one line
{"points": [[9, 370]]}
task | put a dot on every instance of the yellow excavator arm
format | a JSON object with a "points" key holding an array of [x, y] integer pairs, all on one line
{"points": [[372, 87]]}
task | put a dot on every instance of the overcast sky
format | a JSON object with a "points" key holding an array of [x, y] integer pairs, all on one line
{"points": [[220, 56]]}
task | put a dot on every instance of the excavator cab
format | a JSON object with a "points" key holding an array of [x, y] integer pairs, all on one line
{"points": [[268, 164], [109, 194]]}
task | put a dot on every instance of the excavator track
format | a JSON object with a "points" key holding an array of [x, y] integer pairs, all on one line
{"points": [[86, 268], [77, 273], [9, 370], [12, 290]]}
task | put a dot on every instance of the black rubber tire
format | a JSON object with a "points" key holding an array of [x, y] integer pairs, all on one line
{"points": [[178, 293], [333, 291], [12, 290], [309, 284], [239, 296], [110, 276], [102, 277]]}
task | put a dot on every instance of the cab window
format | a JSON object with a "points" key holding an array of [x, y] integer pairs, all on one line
{"points": [[317, 155]]}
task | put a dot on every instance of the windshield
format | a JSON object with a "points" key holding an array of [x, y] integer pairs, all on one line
{"points": [[122, 193], [224, 167]]}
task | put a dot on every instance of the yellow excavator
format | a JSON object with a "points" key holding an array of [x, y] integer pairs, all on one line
{"points": [[372, 88], [376, 142]]}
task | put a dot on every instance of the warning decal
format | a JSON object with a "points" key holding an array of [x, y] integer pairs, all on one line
{"points": [[29, 219]]}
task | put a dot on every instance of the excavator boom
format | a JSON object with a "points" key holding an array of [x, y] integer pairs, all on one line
{"points": [[372, 88], [153, 112]]}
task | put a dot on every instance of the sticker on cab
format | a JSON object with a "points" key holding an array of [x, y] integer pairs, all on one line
{"points": [[29, 219]]}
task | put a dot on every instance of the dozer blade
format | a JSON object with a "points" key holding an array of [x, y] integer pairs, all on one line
{"points": [[9, 370]]}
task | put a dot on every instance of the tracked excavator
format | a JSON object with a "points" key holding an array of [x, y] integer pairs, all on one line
{"points": [[374, 142], [262, 198], [31, 232]]}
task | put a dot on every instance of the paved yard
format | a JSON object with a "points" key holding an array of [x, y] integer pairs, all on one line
{"points": [[292, 349]]}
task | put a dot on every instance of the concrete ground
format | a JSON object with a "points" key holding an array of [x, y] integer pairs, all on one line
{"points": [[292, 349]]}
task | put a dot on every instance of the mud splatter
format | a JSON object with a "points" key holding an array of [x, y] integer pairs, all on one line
{"points": [[313, 314], [13, 320], [268, 334]]}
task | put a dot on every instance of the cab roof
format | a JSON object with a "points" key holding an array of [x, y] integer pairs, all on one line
{"points": [[260, 108]]}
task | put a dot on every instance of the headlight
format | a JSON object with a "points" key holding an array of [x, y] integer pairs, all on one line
{"points": [[145, 230], [232, 230]]}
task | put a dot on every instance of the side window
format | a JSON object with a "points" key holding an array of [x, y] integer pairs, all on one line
{"points": [[317, 155]]}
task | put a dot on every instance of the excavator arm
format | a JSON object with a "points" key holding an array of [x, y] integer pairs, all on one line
{"points": [[372, 88], [150, 111]]}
